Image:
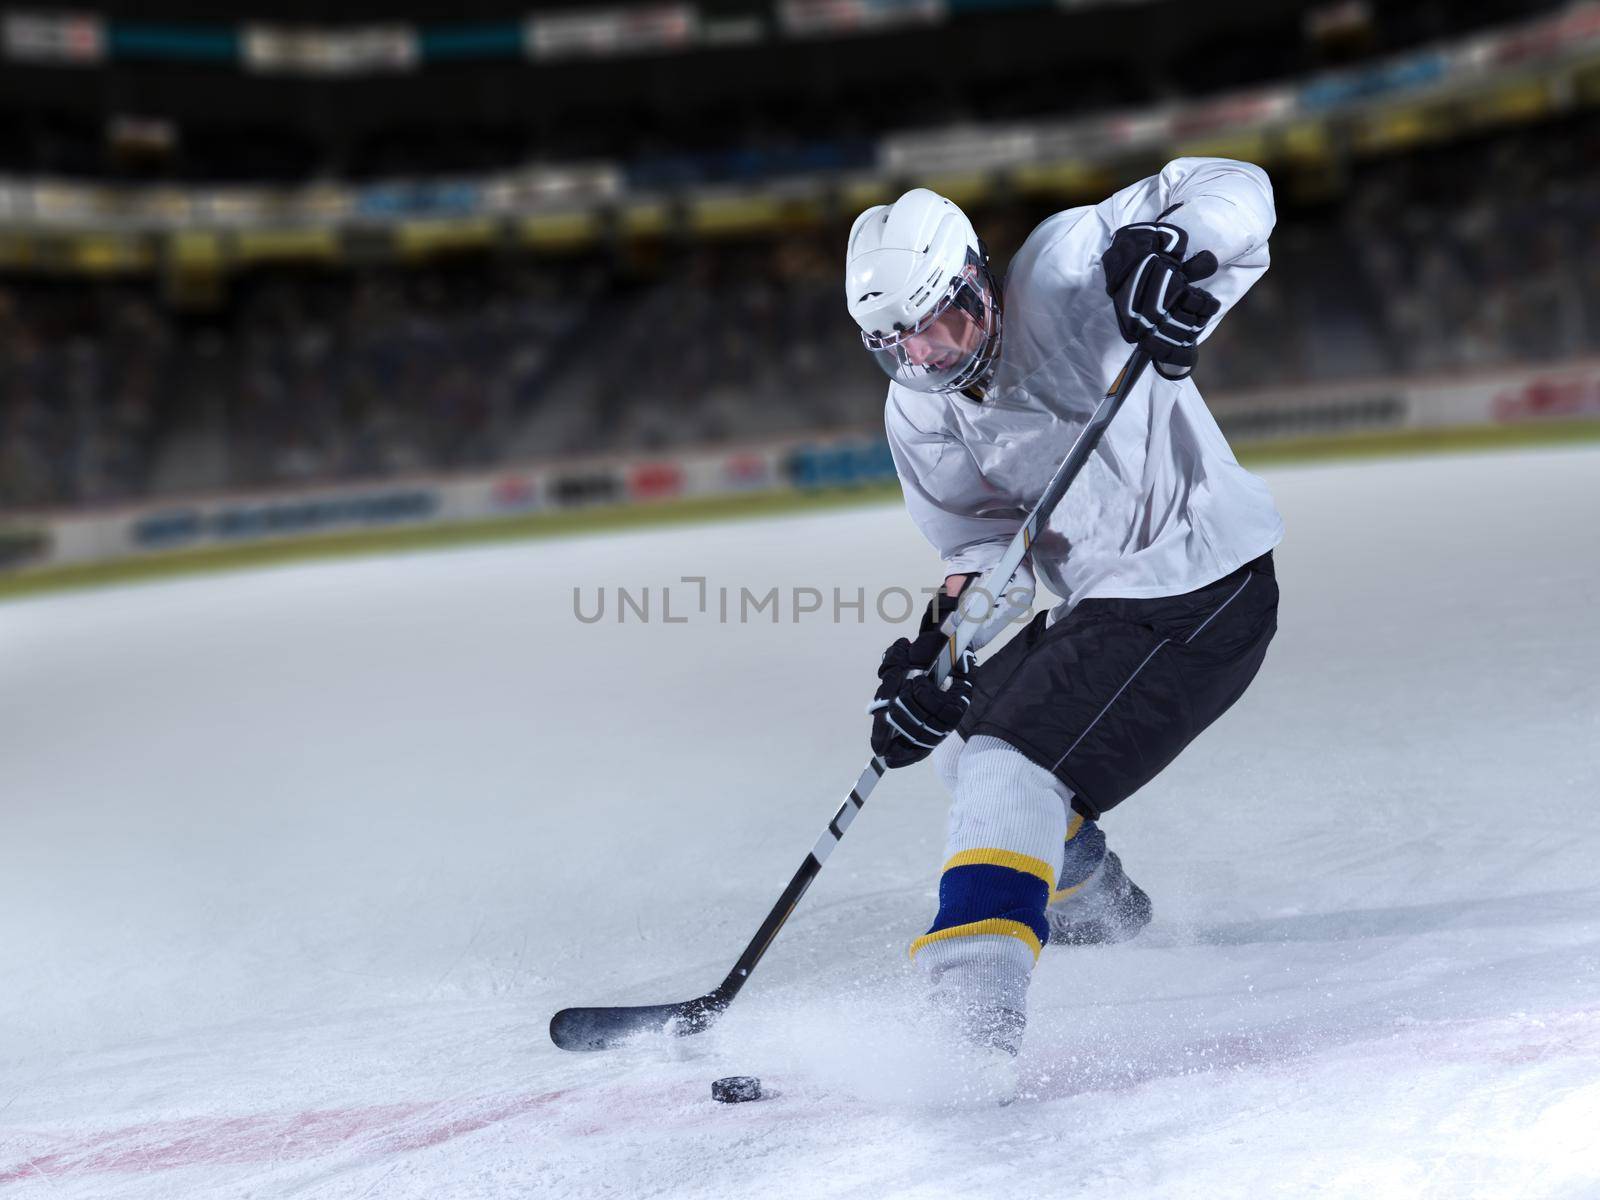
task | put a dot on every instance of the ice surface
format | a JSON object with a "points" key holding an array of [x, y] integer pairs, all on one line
{"points": [[298, 863]]}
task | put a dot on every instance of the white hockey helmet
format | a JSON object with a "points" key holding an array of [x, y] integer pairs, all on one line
{"points": [[917, 281]]}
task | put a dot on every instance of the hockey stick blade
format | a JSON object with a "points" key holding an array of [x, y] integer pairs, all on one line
{"points": [[605, 1028]]}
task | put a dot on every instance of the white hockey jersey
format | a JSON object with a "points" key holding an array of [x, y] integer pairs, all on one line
{"points": [[1162, 507]]}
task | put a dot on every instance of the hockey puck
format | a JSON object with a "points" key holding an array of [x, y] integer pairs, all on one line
{"points": [[736, 1089]]}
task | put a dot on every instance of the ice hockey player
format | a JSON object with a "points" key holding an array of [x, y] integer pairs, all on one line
{"points": [[1160, 552]]}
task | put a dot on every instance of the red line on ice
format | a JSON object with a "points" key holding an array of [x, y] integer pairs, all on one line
{"points": [[273, 1137]]}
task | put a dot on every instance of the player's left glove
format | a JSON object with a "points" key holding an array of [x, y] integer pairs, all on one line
{"points": [[910, 715], [1158, 307]]}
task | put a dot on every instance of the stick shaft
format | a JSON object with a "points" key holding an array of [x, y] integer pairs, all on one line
{"points": [[958, 630]]}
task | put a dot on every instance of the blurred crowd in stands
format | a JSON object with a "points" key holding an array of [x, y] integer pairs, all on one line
{"points": [[1465, 256], [107, 394], [753, 110]]}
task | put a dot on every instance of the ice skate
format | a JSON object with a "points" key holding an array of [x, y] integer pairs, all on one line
{"points": [[984, 1040], [993, 1077], [1108, 907]]}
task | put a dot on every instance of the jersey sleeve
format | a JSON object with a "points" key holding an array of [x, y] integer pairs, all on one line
{"points": [[1226, 207], [964, 517]]}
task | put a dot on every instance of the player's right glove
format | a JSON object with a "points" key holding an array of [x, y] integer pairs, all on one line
{"points": [[1158, 307], [910, 716]]}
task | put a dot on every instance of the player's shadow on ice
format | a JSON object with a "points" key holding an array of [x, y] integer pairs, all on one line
{"points": [[1358, 924]]}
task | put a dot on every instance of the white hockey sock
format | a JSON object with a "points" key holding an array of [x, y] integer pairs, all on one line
{"points": [[1002, 859]]}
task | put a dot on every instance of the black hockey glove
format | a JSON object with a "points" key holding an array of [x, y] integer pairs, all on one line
{"points": [[1158, 307], [910, 716]]}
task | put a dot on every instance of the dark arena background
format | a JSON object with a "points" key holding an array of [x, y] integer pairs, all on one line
{"points": [[551, 253], [388, 393]]}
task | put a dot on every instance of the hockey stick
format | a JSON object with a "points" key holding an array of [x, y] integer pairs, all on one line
{"points": [[602, 1028]]}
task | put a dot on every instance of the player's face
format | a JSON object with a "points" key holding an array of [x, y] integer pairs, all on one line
{"points": [[949, 341], [949, 346]]}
